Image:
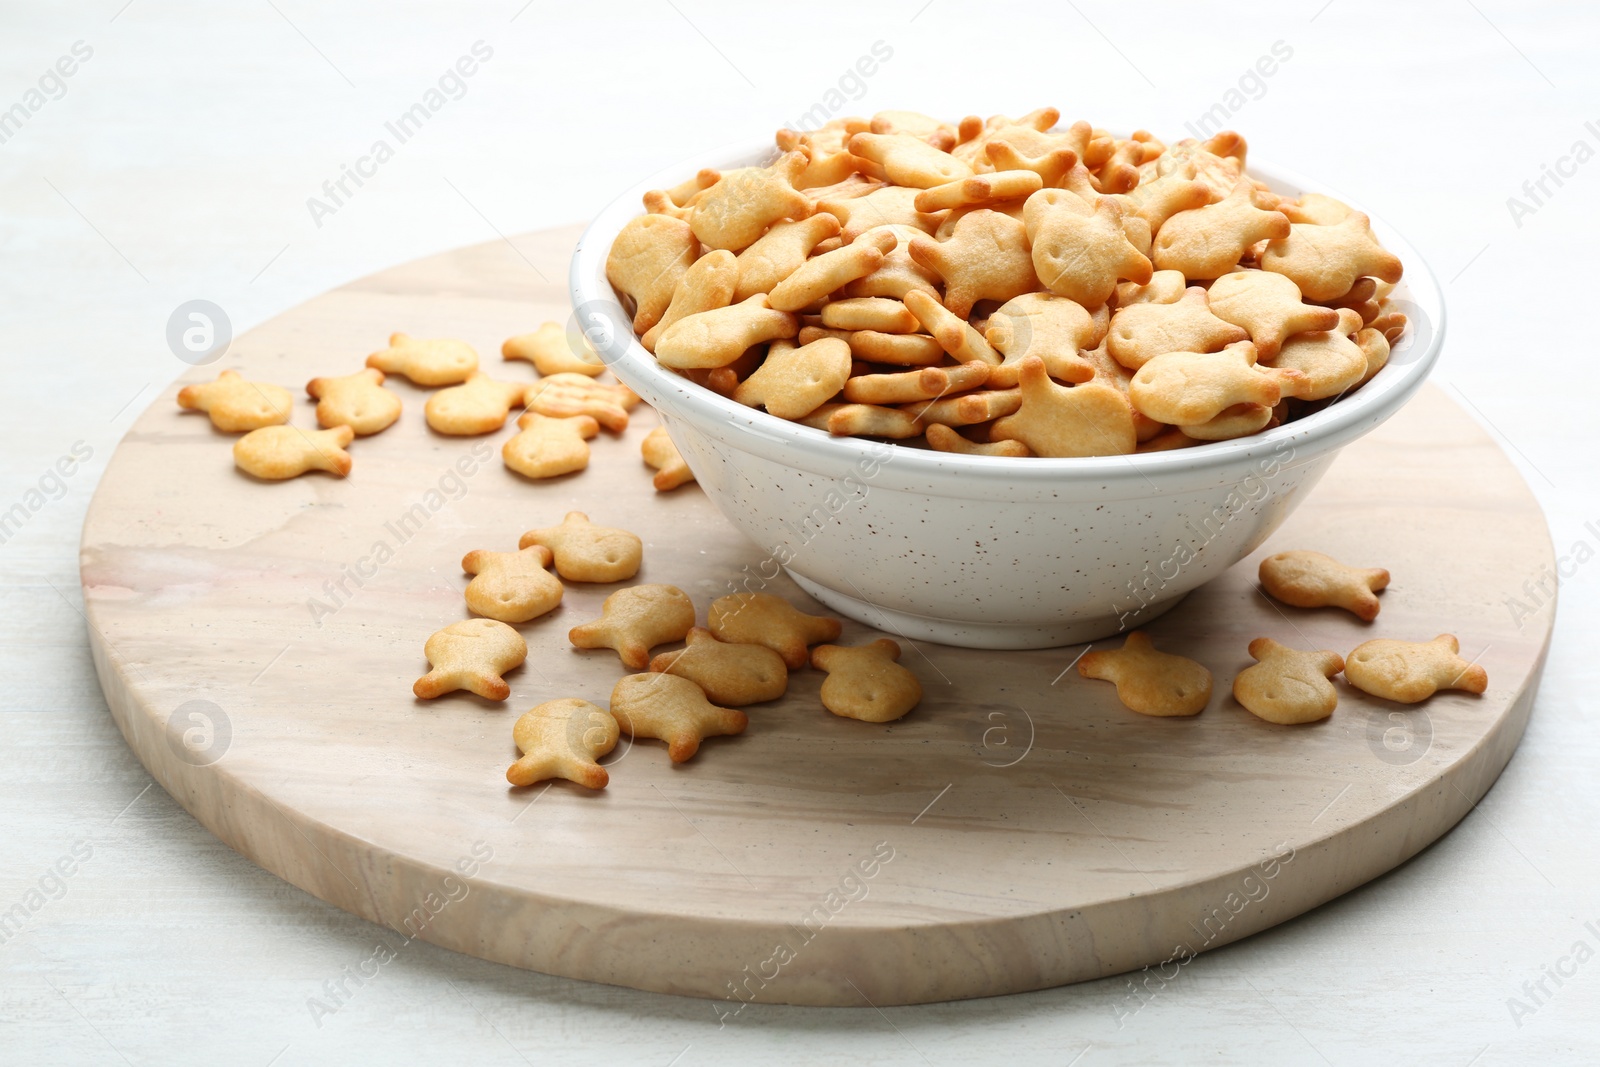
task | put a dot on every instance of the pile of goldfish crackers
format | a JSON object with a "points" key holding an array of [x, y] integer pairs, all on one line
{"points": [[1005, 287]]}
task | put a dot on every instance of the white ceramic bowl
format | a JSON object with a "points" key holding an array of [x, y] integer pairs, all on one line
{"points": [[983, 551]]}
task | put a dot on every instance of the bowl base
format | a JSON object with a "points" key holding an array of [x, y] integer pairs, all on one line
{"points": [[967, 634]]}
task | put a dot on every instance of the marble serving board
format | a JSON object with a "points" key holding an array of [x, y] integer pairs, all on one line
{"points": [[257, 643]]}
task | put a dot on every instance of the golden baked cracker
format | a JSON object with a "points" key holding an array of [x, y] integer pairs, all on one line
{"points": [[1141, 332], [1166, 439], [771, 621], [1268, 307], [909, 161], [478, 405], [824, 274], [717, 337], [898, 349], [1288, 686], [1051, 327], [1312, 580], [1008, 152], [1208, 242], [1412, 671], [898, 274], [732, 674], [236, 404], [1120, 173], [1325, 261], [869, 313], [1330, 361], [1148, 681], [1011, 208], [705, 286], [986, 258], [563, 739], [471, 655], [743, 203], [906, 387], [975, 134], [1081, 252], [657, 202], [1177, 190], [585, 552], [649, 255], [660, 453], [426, 361], [686, 192], [827, 150], [942, 438], [274, 453], [511, 586], [562, 396], [779, 252], [675, 200], [1375, 346], [1092, 419], [636, 619], [357, 400], [1362, 299], [983, 190], [1240, 420], [868, 420], [865, 683], [794, 382], [548, 446], [1219, 173], [550, 350], [914, 123], [1188, 388], [890, 205], [970, 409], [1164, 287], [848, 188], [674, 710], [954, 334], [1317, 209], [1391, 324]]}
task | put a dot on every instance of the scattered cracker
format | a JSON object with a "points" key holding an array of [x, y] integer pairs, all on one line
{"points": [[585, 552], [563, 739], [1412, 671], [427, 362], [1288, 686], [634, 620], [733, 674], [511, 586], [278, 452], [764, 619], [563, 396], [237, 404], [357, 400], [864, 682], [1312, 580], [1148, 681], [660, 453], [471, 655], [479, 405], [548, 446], [551, 351], [674, 710]]}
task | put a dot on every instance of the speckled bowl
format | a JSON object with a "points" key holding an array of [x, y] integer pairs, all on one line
{"points": [[982, 551]]}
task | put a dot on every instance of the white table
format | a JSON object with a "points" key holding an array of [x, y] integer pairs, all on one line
{"points": [[177, 162]]}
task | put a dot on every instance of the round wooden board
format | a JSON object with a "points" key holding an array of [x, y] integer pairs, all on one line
{"points": [[1020, 829]]}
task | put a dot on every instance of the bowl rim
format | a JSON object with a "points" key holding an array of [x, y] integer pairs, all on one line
{"points": [[598, 314]]}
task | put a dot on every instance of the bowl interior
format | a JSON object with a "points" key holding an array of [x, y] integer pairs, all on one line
{"points": [[600, 315]]}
